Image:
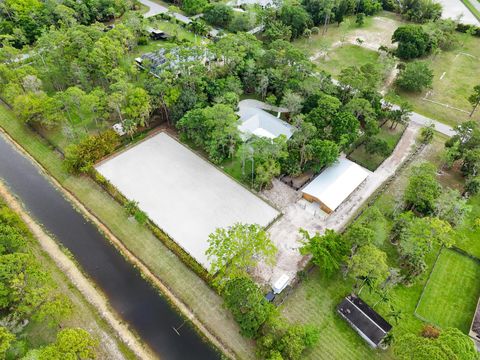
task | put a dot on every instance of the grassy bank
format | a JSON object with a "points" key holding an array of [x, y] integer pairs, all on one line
{"points": [[39, 333], [197, 295]]}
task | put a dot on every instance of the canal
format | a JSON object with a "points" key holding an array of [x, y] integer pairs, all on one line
{"points": [[137, 302]]}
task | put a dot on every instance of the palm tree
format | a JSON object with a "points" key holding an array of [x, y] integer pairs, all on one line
{"points": [[198, 27], [383, 297], [396, 315]]}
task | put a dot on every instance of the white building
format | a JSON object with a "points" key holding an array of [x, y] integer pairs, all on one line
{"points": [[258, 122], [335, 184]]}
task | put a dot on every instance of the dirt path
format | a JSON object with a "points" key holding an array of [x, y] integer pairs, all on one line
{"points": [[130, 339], [88, 290], [299, 214]]}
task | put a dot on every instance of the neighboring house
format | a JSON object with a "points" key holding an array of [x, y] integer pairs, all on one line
{"points": [[254, 121], [335, 184], [364, 320], [156, 34], [173, 58]]}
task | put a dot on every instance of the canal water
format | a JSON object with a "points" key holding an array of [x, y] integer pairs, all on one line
{"points": [[137, 302]]}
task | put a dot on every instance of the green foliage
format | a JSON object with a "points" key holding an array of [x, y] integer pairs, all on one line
{"points": [[193, 7], [360, 19], [295, 17], [80, 158], [474, 98], [413, 42], [212, 128], [328, 251], [236, 250], [420, 11], [369, 262], [248, 305], [416, 76], [451, 344], [451, 207], [422, 189], [427, 134], [70, 344], [283, 341], [218, 14], [6, 339]]}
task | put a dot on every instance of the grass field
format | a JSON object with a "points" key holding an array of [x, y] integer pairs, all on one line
{"points": [[452, 83], [373, 161], [451, 294], [183, 282]]}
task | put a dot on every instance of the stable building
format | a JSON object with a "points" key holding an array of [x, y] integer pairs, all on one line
{"points": [[364, 320], [335, 184], [254, 121]]}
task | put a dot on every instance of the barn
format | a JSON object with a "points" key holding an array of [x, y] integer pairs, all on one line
{"points": [[335, 184]]}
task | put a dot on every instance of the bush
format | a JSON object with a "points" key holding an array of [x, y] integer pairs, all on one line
{"points": [[413, 42], [248, 305], [79, 158], [218, 15], [415, 77]]}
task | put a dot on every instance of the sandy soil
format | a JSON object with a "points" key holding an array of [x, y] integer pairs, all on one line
{"points": [[300, 214], [91, 294]]}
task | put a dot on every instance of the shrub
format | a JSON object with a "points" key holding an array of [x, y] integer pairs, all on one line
{"points": [[413, 42], [79, 158], [218, 15], [415, 77], [430, 331]]}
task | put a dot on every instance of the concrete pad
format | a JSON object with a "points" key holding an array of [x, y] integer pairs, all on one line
{"points": [[182, 193]]}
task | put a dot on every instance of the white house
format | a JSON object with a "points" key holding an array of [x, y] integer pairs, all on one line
{"points": [[258, 122]]}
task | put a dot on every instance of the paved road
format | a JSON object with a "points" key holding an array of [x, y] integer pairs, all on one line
{"points": [[155, 9], [455, 8]]}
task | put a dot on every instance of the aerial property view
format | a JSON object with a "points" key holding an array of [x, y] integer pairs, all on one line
{"points": [[295, 179]]}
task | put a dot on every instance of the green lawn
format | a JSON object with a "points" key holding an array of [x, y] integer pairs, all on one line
{"points": [[451, 295], [182, 281], [452, 82], [373, 161], [345, 56]]}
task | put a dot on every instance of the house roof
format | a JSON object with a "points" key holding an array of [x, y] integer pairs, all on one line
{"points": [[258, 122], [366, 321], [336, 183]]}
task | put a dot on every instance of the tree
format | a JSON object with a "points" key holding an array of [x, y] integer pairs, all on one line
{"points": [[70, 344], [377, 146], [6, 339], [248, 305], [284, 341], [277, 30], [193, 7], [345, 128], [292, 101], [416, 76], [359, 235], [427, 133], [474, 99], [218, 14], [236, 250], [214, 129], [328, 251], [296, 18], [360, 19], [413, 42], [369, 262], [420, 11], [422, 189], [451, 207], [450, 344]]}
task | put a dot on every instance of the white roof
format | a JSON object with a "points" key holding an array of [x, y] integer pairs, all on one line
{"points": [[261, 123], [336, 183], [280, 284]]}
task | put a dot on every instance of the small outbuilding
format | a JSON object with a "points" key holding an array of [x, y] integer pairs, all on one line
{"points": [[254, 121], [156, 34], [335, 184], [364, 320], [475, 327]]}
